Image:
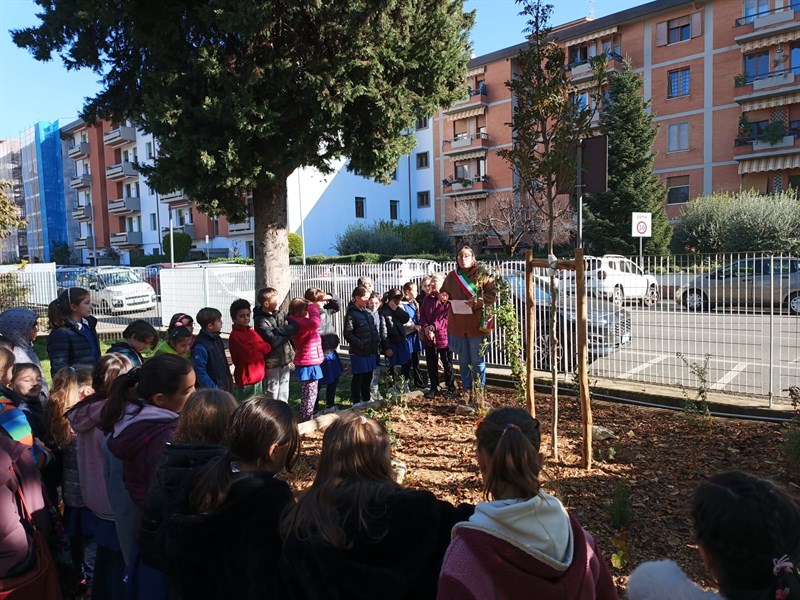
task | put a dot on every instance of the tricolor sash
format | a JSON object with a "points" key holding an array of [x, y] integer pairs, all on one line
{"points": [[471, 290]]}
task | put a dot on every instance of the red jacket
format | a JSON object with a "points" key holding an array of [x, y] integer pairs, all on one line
{"points": [[307, 340], [247, 353]]}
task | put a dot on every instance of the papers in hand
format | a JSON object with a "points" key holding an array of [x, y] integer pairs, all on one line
{"points": [[460, 307]]}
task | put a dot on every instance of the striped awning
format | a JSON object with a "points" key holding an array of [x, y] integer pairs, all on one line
{"points": [[765, 42], [590, 36], [482, 196], [770, 163], [467, 113], [771, 102], [476, 71], [466, 154]]}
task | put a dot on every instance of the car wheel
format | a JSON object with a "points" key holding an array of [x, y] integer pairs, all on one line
{"points": [[651, 297], [541, 356], [695, 300], [105, 308], [793, 303], [618, 296]]}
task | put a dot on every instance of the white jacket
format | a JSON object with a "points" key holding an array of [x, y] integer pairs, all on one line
{"points": [[665, 580]]}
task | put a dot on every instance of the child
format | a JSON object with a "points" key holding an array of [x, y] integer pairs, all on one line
{"points": [[109, 511], [71, 386], [198, 439], [27, 382], [73, 331], [331, 366], [230, 546], [412, 329], [305, 316], [374, 306], [181, 320], [14, 422], [208, 353], [522, 543], [19, 325], [363, 339], [179, 342], [748, 534], [248, 352], [393, 337], [356, 519], [137, 336], [433, 321], [267, 320]]}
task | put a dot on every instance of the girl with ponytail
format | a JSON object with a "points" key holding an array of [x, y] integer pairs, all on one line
{"points": [[228, 546], [73, 331], [521, 542]]}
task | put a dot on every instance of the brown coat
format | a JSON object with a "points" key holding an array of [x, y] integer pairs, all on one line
{"points": [[459, 325]]}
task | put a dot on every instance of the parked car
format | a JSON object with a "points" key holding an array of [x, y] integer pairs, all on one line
{"points": [[152, 276], [760, 282], [608, 326], [67, 277], [396, 272], [117, 290], [618, 279]]}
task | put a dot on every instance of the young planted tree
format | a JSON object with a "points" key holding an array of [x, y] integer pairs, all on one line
{"points": [[547, 123], [632, 186], [240, 94]]}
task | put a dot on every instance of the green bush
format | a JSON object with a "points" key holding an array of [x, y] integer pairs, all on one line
{"points": [[393, 239], [295, 244], [143, 260], [183, 244]]}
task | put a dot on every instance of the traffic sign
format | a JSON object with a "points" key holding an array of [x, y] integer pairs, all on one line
{"points": [[640, 224]]}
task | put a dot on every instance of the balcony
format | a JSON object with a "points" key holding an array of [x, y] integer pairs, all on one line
{"points": [[123, 206], [767, 17], [474, 96], [82, 213], [240, 228], [188, 229], [124, 170], [119, 137], [81, 181], [479, 183], [84, 243], [126, 238], [177, 196], [466, 140], [80, 150]]}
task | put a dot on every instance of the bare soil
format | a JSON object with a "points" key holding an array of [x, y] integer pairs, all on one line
{"points": [[660, 456]]}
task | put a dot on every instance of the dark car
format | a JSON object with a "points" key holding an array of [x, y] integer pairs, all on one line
{"points": [[152, 275], [608, 326]]}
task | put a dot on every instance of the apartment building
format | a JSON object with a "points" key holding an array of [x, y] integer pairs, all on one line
{"points": [[721, 77], [15, 246]]}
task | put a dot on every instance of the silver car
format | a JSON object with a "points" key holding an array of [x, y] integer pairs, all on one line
{"points": [[760, 282]]}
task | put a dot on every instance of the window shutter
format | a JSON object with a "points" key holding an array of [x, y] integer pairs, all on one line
{"points": [[697, 24], [661, 34]]}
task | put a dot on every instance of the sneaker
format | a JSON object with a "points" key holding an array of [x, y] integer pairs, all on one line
{"points": [[430, 394]]}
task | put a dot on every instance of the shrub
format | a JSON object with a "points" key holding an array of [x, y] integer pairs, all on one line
{"points": [[620, 508], [393, 239], [295, 244], [183, 244]]}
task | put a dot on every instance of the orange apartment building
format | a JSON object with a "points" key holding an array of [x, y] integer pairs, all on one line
{"points": [[115, 208], [721, 77]]}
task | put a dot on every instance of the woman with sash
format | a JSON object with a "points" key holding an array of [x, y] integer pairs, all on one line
{"points": [[470, 289]]}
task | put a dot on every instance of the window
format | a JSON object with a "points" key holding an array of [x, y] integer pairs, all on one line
{"points": [[216, 225], [394, 209], [753, 8], [680, 29], [756, 65], [422, 160], [678, 83], [581, 100], [678, 190], [361, 212], [153, 222], [422, 123], [612, 46], [394, 175], [462, 170], [148, 149], [88, 198], [678, 137], [581, 54], [423, 199]]}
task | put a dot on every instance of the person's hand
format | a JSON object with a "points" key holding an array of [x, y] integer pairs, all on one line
{"points": [[471, 302], [418, 327], [444, 297], [389, 353]]}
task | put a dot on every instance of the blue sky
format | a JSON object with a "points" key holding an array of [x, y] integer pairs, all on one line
{"points": [[31, 91]]}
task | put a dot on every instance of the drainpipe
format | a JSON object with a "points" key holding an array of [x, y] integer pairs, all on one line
{"points": [[410, 202]]}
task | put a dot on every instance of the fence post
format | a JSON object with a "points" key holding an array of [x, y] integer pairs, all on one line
{"points": [[205, 285]]}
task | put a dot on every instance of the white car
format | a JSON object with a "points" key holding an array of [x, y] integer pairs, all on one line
{"points": [[396, 272], [618, 279], [117, 290]]}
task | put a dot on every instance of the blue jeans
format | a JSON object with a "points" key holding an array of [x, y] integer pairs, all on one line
{"points": [[469, 359]]}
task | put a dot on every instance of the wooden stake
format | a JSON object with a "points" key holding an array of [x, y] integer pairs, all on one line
{"points": [[530, 355], [583, 375]]}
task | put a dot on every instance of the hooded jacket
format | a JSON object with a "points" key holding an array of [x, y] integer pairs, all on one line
{"points": [[248, 352], [469, 325], [138, 441], [16, 325], [265, 324], [124, 348], [433, 313], [83, 418], [327, 327], [306, 340], [210, 362], [67, 346], [392, 322], [664, 580], [360, 331], [532, 548], [234, 551]]}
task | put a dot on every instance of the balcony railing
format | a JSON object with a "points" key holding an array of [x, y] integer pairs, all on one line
{"points": [[119, 136], [188, 229], [743, 79], [176, 196], [125, 205], [82, 212], [126, 238], [123, 170], [479, 91], [80, 150], [752, 18], [461, 140], [239, 228], [81, 181], [464, 182], [84, 243]]}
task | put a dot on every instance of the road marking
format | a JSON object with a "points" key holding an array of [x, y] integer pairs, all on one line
{"points": [[643, 366], [729, 376]]}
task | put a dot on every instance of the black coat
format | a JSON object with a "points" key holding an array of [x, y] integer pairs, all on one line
{"points": [[399, 557], [360, 331], [67, 347], [235, 551], [392, 321], [216, 367], [266, 324]]}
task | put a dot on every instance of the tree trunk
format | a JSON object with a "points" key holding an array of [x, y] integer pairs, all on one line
{"points": [[554, 341], [271, 237]]}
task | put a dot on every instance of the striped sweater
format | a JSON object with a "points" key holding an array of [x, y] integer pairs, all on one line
{"points": [[15, 424]]}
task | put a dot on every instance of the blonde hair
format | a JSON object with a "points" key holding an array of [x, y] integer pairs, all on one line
{"points": [[205, 417], [64, 394]]}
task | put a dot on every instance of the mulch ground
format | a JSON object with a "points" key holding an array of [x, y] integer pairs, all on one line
{"points": [[657, 456]]}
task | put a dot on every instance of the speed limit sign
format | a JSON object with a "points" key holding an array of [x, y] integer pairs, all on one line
{"points": [[640, 224]]}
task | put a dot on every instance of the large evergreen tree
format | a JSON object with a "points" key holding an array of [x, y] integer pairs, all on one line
{"points": [[632, 186], [240, 94]]}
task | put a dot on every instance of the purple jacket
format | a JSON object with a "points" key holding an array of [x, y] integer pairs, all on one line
{"points": [[434, 313], [138, 441], [84, 418]]}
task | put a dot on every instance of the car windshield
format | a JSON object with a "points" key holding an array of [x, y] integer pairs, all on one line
{"points": [[119, 278]]}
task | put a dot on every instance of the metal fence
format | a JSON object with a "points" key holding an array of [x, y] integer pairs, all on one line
{"points": [[740, 311]]}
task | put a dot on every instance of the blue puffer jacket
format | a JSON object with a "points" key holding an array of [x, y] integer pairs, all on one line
{"points": [[67, 346]]}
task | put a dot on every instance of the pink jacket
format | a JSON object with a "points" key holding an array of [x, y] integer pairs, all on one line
{"points": [[84, 418], [434, 313], [307, 341]]}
